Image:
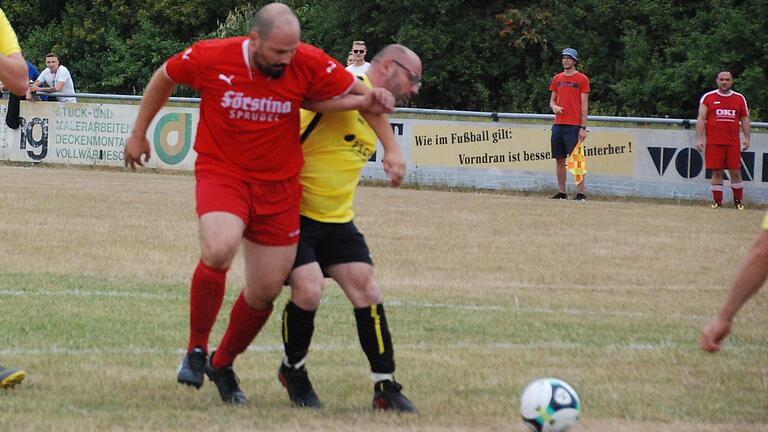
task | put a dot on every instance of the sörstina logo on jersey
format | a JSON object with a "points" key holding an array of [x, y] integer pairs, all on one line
{"points": [[256, 109]]}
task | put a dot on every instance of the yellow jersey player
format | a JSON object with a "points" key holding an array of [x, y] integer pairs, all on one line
{"points": [[336, 146], [13, 74]]}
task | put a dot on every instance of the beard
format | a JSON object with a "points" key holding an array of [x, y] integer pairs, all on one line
{"points": [[273, 71]]}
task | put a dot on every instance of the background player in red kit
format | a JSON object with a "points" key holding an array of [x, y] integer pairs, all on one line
{"points": [[247, 185], [720, 112], [569, 101]]}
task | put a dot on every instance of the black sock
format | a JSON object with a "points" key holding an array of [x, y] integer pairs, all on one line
{"points": [[298, 326], [375, 339]]}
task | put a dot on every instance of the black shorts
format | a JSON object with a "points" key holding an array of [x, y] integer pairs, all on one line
{"points": [[564, 140], [330, 243]]}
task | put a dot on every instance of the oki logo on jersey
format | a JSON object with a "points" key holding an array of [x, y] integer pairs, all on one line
{"points": [[720, 112], [242, 107]]}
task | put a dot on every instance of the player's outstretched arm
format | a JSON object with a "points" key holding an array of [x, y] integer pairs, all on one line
{"points": [[156, 94], [360, 98], [751, 275]]}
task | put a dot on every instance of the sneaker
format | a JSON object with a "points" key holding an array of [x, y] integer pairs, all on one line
{"points": [[716, 204], [580, 197], [738, 205], [387, 397], [10, 377], [560, 196], [300, 390], [227, 383], [192, 368]]}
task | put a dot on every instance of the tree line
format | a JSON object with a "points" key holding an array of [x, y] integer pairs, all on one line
{"points": [[644, 57]]}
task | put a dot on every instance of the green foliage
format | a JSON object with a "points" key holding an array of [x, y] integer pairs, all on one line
{"points": [[643, 57]]}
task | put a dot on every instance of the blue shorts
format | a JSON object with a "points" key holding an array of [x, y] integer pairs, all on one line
{"points": [[564, 140]]}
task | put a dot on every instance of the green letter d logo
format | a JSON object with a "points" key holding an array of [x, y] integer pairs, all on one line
{"points": [[173, 137]]}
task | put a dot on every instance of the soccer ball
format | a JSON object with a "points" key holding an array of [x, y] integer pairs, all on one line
{"points": [[550, 405]]}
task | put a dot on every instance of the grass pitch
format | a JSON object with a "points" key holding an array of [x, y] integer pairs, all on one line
{"points": [[484, 294]]}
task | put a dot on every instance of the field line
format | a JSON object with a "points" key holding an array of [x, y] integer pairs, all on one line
{"points": [[389, 303], [662, 345]]}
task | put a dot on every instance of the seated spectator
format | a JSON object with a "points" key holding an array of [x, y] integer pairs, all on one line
{"points": [[54, 78]]}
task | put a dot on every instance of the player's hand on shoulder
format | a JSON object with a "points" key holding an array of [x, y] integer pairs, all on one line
{"points": [[136, 146], [378, 101]]}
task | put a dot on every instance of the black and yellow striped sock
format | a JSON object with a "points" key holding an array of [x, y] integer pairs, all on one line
{"points": [[375, 338], [298, 326]]}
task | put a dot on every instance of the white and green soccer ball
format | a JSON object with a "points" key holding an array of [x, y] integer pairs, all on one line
{"points": [[550, 405]]}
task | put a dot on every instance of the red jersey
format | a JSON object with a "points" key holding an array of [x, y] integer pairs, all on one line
{"points": [[723, 116], [568, 91], [249, 122]]}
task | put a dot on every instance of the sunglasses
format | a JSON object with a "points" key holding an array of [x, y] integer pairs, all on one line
{"points": [[358, 51], [412, 76]]}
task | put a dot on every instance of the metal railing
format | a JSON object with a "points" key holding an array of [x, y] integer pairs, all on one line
{"points": [[494, 116]]}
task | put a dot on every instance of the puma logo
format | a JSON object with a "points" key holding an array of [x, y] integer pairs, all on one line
{"points": [[186, 54], [227, 79], [331, 66]]}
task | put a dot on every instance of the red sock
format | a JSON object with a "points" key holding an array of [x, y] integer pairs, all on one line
{"points": [[717, 193], [738, 191], [245, 323], [205, 298]]}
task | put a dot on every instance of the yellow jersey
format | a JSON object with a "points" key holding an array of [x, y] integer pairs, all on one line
{"points": [[336, 147], [9, 44]]}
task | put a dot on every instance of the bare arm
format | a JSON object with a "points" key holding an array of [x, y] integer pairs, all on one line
{"points": [[156, 94], [745, 127], [14, 73], [394, 162], [584, 113], [701, 122], [557, 109], [751, 275], [360, 97]]}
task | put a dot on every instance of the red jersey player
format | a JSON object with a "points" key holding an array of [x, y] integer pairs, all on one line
{"points": [[247, 185], [720, 112], [569, 101]]}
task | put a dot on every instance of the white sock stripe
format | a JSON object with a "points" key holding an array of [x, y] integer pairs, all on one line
{"points": [[737, 185], [376, 377], [717, 188], [298, 364]]}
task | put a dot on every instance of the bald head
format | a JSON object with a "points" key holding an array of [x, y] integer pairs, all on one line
{"points": [[398, 69], [397, 52], [274, 16]]}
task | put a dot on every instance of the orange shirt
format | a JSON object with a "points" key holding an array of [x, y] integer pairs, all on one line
{"points": [[568, 91]]}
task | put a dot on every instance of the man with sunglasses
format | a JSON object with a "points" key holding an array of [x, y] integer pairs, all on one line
{"points": [[336, 147], [359, 65]]}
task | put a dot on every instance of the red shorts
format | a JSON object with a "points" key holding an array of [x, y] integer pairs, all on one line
{"points": [[269, 209], [723, 157]]}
